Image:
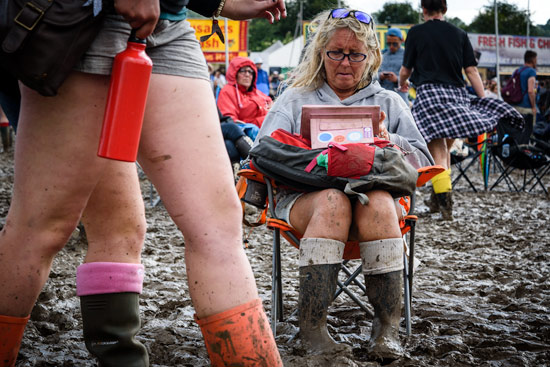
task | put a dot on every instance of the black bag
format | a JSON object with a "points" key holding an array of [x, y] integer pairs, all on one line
{"points": [[288, 165], [511, 93], [41, 40]]}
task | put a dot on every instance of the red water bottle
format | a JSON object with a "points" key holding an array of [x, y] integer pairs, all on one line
{"points": [[126, 102]]}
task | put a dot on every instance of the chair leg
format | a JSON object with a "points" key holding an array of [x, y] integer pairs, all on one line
{"points": [[407, 295]]}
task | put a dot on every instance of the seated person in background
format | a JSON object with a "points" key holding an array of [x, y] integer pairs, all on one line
{"points": [[274, 82], [338, 69], [239, 98], [491, 89], [237, 143], [392, 59]]}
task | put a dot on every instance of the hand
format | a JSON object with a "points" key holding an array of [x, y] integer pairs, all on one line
{"points": [[382, 129], [404, 87], [391, 76], [142, 15], [245, 9]]}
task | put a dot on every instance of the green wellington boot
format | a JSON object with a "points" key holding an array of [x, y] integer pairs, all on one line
{"points": [[110, 322], [384, 293], [317, 287]]}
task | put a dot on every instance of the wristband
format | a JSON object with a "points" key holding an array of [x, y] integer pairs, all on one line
{"points": [[220, 9]]}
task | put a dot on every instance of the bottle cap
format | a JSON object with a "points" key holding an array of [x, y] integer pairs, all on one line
{"points": [[134, 39]]}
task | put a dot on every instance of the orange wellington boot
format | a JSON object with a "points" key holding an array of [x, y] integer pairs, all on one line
{"points": [[11, 333], [240, 336]]}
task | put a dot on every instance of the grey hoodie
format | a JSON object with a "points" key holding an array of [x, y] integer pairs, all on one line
{"points": [[286, 114]]}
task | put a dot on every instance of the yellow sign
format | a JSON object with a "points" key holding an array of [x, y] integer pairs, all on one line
{"points": [[213, 48]]}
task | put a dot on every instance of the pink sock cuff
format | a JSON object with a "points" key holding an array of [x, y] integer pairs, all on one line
{"points": [[104, 277]]}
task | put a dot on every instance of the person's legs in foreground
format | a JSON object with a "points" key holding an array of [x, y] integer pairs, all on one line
{"points": [[441, 196], [186, 160], [325, 218], [56, 171]]}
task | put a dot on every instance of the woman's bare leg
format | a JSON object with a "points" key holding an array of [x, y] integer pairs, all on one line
{"points": [[322, 214], [114, 217], [439, 152], [56, 169], [183, 153]]}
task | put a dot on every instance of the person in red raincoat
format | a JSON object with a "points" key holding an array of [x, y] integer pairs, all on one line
{"points": [[239, 98]]}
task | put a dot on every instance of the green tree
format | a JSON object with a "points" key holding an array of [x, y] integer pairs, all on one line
{"points": [[544, 29], [511, 20], [261, 34], [457, 22], [397, 13]]}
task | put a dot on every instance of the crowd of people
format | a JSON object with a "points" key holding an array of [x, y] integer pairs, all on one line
{"points": [[56, 186]]}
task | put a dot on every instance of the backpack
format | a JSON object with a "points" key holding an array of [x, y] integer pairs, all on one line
{"points": [[353, 168], [511, 92]]}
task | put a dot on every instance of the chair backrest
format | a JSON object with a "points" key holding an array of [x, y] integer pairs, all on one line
{"points": [[516, 147]]}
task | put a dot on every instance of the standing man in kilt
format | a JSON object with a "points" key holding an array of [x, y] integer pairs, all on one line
{"points": [[435, 54]]}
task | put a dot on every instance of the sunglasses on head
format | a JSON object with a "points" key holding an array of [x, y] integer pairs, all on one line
{"points": [[344, 13]]}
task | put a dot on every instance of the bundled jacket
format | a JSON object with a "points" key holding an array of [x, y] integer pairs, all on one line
{"points": [[236, 101]]}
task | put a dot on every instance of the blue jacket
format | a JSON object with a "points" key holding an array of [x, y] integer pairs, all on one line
{"points": [[262, 82]]}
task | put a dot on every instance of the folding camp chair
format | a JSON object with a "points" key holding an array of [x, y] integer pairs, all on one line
{"points": [[281, 228], [463, 163], [516, 150]]}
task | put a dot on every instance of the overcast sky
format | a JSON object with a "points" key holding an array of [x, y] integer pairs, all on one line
{"points": [[465, 9]]}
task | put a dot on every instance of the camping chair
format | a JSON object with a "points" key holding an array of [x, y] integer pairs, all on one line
{"points": [[472, 153], [281, 228], [516, 150]]}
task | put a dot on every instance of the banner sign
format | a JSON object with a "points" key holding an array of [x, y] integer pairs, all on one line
{"points": [[511, 49], [213, 48]]}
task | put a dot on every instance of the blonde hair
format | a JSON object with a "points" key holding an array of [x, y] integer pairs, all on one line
{"points": [[310, 72]]}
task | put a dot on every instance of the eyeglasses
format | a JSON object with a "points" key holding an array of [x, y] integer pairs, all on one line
{"points": [[344, 13], [396, 44], [246, 71], [352, 57]]}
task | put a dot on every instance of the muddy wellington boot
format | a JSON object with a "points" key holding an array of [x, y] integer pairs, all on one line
{"points": [[320, 261], [243, 145], [445, 203], [384, 293], [11, 333], [109, 301], [317, 287], [383, 269], [240, 336], [431, 202]]}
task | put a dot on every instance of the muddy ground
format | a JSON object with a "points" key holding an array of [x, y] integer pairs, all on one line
{"points": [[481, 295]]}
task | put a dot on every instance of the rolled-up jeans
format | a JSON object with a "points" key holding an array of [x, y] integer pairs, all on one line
{"points": [[231, 133]]}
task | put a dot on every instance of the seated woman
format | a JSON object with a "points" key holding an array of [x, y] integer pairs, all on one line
{"points": [[338, 69], [239, 98]]}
